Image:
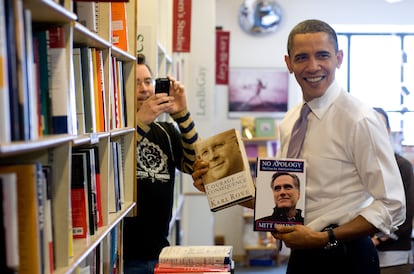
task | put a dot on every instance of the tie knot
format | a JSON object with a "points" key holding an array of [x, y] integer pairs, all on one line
{"points": [[305, 111]]}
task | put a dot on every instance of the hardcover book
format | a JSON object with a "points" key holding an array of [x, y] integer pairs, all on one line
{"points": [[228, 181], [280, 193], [180, 256], [79, 196]]}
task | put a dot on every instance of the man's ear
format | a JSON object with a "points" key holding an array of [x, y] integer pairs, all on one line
{"points": [[288, 63]]}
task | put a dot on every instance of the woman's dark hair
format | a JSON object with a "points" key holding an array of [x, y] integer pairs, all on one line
{"points": [[142, 61]]}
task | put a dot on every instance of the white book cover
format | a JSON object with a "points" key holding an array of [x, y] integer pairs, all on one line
{"points": [[280, 193], [228, 181], [87, 15], [58, 81], [5, 127]]}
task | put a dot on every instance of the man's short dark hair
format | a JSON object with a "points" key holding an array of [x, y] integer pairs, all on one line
{"points": [[295, 178], [312, 26]]}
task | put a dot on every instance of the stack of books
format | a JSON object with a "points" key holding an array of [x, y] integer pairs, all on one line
{"points": [[195, 259]]}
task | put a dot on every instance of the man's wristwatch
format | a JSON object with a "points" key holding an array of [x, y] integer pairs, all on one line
{"points": [[332, 242]]}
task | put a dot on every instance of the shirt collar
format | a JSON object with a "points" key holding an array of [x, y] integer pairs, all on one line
{"points": [[320, 105]]}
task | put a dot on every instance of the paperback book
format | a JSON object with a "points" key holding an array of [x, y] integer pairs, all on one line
{"points": [[228, 181], [280, 193]]}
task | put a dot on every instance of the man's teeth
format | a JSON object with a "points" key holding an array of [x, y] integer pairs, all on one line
{"points": [[315, 79]]}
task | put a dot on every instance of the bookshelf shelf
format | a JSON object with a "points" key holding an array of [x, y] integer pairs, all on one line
{"points": [[23, 147], [83, 36], [48, 140], [47, 11], [83, 247]]}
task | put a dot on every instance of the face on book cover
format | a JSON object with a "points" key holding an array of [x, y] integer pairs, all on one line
{"points": [[285, 192], [223, 157]]}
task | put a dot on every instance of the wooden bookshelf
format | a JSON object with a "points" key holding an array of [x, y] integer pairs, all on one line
{"points": [[55, 150]]}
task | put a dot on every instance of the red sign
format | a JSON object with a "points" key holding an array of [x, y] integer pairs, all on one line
{"points": [[181, 25], [222, 57]]}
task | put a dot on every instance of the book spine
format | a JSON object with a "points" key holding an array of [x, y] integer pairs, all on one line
{"points": [[48, 230], [98, 187], [88, 90], [79, 197], [8, 187], [58, 80], [21, 70], [32, 97], [101, 93], [16, 133], [80, 109], [5, 122], [41, 37]]}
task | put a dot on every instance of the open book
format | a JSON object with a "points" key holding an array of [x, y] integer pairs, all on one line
{"points": [[280, 193], [228, 181]]}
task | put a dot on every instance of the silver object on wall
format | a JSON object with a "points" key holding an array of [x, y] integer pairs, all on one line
{"points": [[259, 17]]}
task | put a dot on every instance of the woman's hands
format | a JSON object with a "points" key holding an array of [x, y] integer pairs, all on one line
{"points": [[160, 103]]}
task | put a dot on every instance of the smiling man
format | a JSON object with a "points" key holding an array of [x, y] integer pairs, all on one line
{"points": [[286, 193], [353, 185]]}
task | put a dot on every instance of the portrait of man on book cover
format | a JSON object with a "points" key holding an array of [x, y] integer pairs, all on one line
{"points": [[223, 155], [228, 180], [280, 193]]}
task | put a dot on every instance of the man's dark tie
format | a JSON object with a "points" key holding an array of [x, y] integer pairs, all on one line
{"points": [[298, 133]]}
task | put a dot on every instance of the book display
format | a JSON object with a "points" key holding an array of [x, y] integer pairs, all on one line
{"points": [[57, 135], [280, 193], [196, 259], [228, 181]]}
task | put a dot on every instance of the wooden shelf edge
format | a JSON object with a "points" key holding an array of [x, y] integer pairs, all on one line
{"points": [[21, 147], [83, 247], [121, 131]]}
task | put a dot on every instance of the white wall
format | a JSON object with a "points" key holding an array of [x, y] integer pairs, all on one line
{"points": [[252, 51]]}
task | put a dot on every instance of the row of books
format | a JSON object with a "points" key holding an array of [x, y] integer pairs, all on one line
{"points": [[86, 194], [26, 223], [195, 259], [31, 232], [91, 96], [88, 13], [38, 81]]}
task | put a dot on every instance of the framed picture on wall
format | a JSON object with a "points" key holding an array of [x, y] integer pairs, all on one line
{"points": [[258, 92]]}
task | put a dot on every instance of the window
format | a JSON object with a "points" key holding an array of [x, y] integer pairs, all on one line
{"points": [[378, 69]]}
